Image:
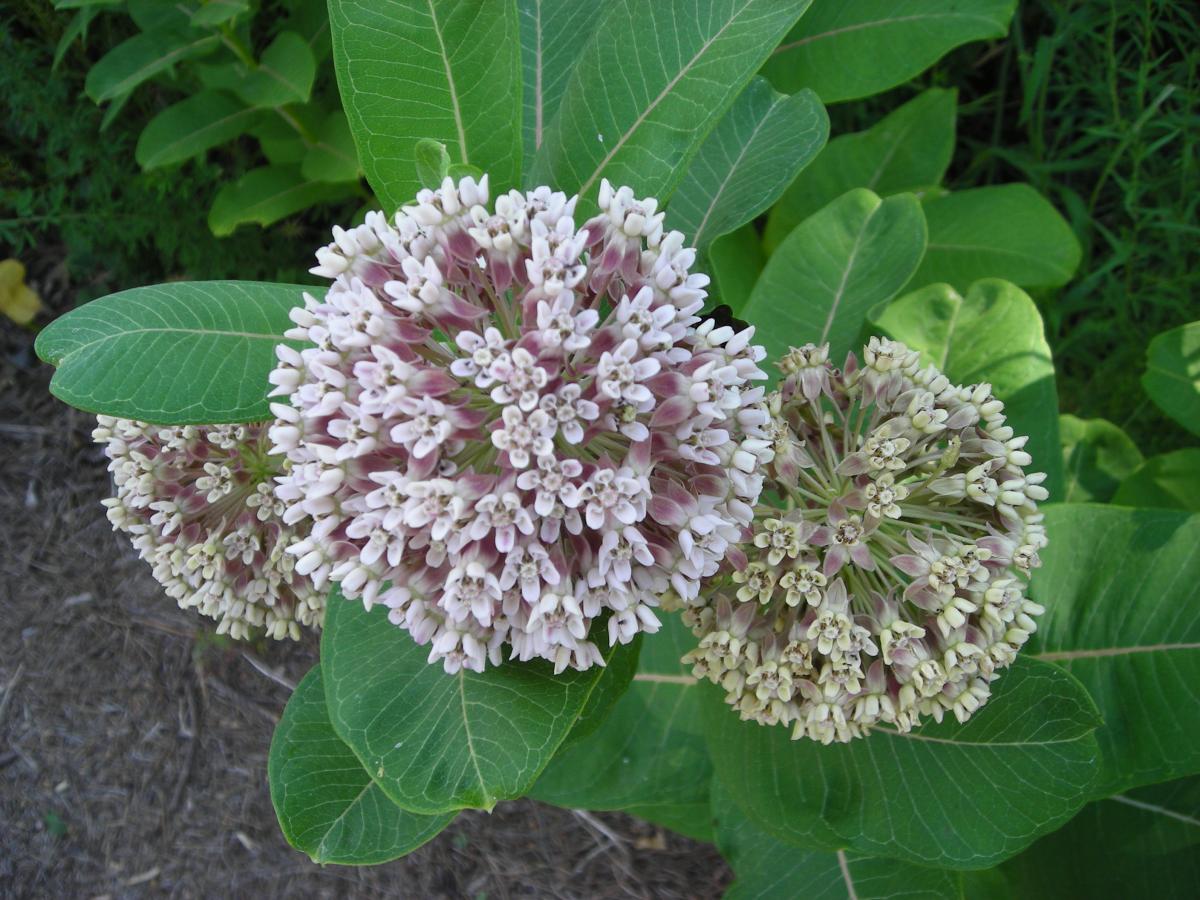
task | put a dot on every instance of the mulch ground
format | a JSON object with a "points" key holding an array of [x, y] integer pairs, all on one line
{"points": [[133, 743]]}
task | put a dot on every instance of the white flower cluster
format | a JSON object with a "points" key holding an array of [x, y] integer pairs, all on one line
{"points": [[890, 584], [199, 505], [505, 425]]}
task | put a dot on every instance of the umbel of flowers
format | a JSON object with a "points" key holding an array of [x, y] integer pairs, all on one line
{"points": [[505, 424], [199, 505], [888, 584]]}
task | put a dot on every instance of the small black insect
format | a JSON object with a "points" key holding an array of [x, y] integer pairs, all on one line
{"points": [[723, 315]]}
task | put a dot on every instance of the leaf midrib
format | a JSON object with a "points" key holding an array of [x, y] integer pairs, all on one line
{"points": [[118, 335], [488, 800], [190, 137], [455, 106], [841, 288], [1154, 808], [158, 62], [876, 23], [659, 99], [716, 197], [322, 848], [1098, 652]]}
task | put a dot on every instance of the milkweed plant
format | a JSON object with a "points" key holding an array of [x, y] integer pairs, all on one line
{"points": [[643, 449]]}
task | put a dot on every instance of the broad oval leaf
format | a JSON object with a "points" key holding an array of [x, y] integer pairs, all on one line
{"points": [[1097, 456], [993, 334], [326, 803], [612, 686], [154, 15], [734, 261], [648, 757], [1007, 231], [949, 795], [1119, 587], [845, 50], [436, 742], [280, 138], [1169, 481], [217, 12], [284, 75], [446, 71], [649, 85], [140, 58], [190, 127], [747, 161], [432, 161], [833, 268], [332, 158], [181, 353], [1143, 843], [1172, 377], [552, 32], [765, 868], [267, 194], [907, 150]]}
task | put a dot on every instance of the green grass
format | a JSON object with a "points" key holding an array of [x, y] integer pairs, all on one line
{"points": [[1096, 103], [1100, 113]]}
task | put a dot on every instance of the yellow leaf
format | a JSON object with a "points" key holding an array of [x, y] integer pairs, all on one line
{"points": [[18, 301]]}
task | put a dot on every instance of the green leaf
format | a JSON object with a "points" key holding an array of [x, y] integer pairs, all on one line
{"points": [[747, 161], [1139, 844], [155, 15], [1097, 456], [855, 253], [1169, 481], [734, 262], [327, 804], [768, 869], [181, 353], [224, 75], [845, 50], [202, 121], [552, 32], [648, 757], [948, 795], [114, 110], [76, 28], [906, 151], [332, 158], [284, 75], [1172, 377], [993, 334], [613, 683], [218, 12], [1006, 231], [436, 742], [280, 140], [141, 57], [1119, 587], [649, 85], [414, 69], [266, 195], [310, 20], [432, 161]]}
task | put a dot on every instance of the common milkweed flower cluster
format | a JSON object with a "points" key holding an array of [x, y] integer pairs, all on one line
{"points": [[504, 424], [199, 504], [890, 584]]}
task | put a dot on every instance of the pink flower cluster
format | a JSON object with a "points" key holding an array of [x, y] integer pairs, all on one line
{"points": [[889, 581], [505, 425], [197, 502]]}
